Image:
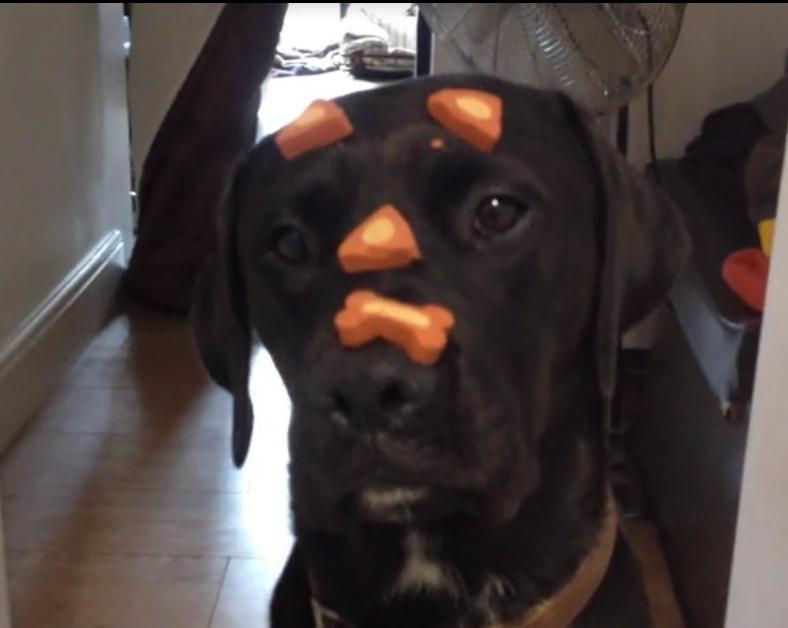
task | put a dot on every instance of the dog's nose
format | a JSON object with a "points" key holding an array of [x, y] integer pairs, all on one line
{"points": [[381, 395]]}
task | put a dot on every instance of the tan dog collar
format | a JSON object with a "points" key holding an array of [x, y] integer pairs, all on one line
{"points": [[566, 604], [557, 611]]}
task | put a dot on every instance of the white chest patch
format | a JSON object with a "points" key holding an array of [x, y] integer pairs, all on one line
{"points": [[495, 589], [387, 502], [420, 573]]}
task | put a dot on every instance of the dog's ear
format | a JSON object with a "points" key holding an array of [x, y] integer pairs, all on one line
{"points": [[643, 245], [222, 330]]}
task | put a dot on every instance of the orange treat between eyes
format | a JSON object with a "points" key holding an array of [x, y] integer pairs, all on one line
{"points": [[473, 115], [322, 123], [421, 331], [382, 242]]}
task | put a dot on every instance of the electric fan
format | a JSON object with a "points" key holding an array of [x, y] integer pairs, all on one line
{"points": [[602, 55]]}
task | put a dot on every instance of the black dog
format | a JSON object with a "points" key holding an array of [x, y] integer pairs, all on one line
{"points": [[474, 492]]}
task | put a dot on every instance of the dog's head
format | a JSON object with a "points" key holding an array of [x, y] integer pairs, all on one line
{"points": [[544, 248]]}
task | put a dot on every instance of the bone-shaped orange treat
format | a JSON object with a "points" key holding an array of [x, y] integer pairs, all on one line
{"points": [[421, 331], [383, 241], [472, 114], [322, 123]]}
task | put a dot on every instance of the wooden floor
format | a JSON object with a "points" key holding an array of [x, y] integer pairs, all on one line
{"points": [[122, 508]]}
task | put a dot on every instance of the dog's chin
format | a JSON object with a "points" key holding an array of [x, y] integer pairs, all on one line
{"points": [[392, 504]]}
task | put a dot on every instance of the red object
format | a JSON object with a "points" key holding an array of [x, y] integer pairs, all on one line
{"points": [[746, 272]]}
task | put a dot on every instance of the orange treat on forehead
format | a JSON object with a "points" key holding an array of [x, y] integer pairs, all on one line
{"points": [[382, 242], [322, 123], [472, 114], [421, 331]]}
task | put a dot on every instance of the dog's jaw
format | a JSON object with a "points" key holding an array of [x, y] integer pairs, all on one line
{"points": [[391, 504], [474, 572]]}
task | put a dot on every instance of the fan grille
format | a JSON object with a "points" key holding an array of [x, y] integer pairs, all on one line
{"points": [[601, 54]]}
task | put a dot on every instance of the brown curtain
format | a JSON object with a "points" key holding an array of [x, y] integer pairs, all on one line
{"points": [[209, 127]]}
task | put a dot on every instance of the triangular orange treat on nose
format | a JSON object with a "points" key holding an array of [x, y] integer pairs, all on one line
{"points": [[472, 114], [322, 123], [382, 242]]}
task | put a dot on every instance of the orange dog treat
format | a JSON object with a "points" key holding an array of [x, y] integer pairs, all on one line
{"points": [[473, 115], [383, 241], [421, 331], [322, 123]]}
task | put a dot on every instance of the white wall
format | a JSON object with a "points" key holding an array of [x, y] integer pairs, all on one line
{"points": [[64, 160], [166, 38], [726, 53], [759, 582], [64, 190]]}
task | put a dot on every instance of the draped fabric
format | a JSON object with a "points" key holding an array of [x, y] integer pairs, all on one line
{"points": [[209, 127]]}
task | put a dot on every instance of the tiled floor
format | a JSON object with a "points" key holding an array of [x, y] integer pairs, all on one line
{"points": [[122, 508]]}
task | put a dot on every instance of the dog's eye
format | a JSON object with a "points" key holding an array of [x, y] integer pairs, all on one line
{"points": [[496, 215], [289, 245]]}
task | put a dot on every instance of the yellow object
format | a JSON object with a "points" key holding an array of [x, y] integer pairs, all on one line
{"points": [[766, 231]]}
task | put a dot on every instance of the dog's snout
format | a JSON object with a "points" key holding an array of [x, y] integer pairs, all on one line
{"points": [[393, 397], [381, 395]]}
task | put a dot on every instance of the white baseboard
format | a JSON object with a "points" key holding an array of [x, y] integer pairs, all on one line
{"points": [[37, 355]]}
